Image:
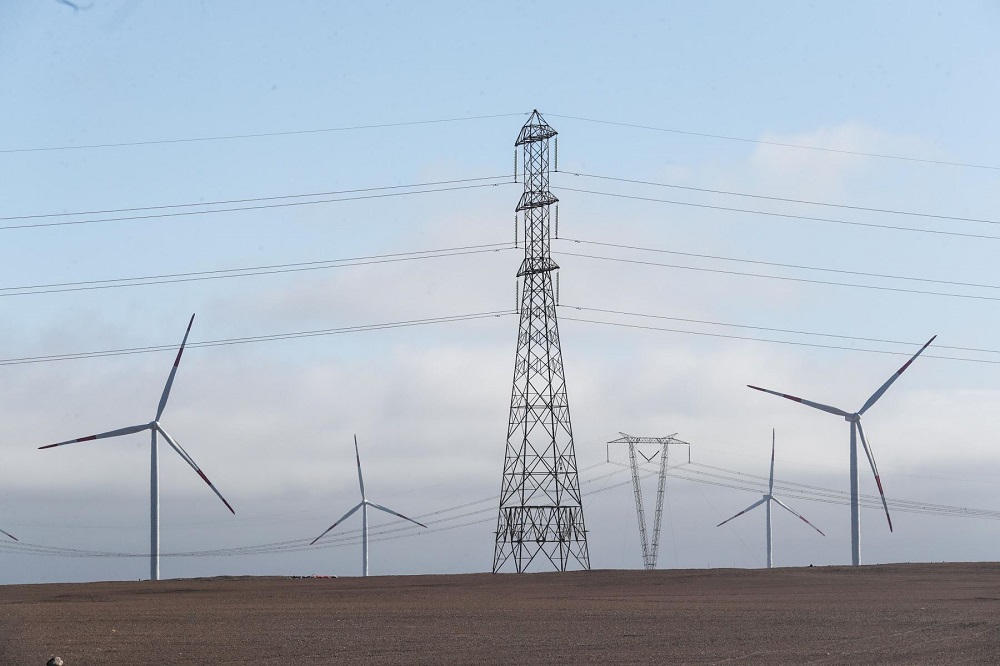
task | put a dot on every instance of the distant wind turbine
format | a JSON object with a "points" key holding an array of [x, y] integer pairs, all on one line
{"points": [[363, 505], [768, 498], [154, 475], [855, 420]]}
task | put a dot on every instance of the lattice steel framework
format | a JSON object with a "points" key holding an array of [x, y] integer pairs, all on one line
{"points": [[649, 551], [541, 513]]}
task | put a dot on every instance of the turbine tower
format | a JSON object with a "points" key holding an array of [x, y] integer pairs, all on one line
{"points": [[541, 512], [154, 427], [363, 505], [856, 430], [768, 498]]}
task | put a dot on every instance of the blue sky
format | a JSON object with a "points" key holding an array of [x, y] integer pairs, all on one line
{"points": [[271, 422]]}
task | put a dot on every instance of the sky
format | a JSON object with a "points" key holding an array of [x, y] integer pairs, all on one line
{"points": [[861, 106]]}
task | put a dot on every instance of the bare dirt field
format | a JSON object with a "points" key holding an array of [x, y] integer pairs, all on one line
{"points": [[893, 614]]}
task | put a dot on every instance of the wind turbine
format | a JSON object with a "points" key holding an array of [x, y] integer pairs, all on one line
{"points": [[154, 476], [855, 420], [768, 498], [363, 505]]}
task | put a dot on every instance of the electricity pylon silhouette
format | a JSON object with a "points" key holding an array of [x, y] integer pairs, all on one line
{"points": [[541, 512], [649, 551]]}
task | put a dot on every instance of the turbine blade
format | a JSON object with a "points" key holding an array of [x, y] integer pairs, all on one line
{"points": [[801, 517], [111, 433], [752, 506], [9, 534], [190, 461], [878, 481], [361, 480], [882, 389], [816, 405], [395, 513], [770, 482], [342, 519], [173, 371]]}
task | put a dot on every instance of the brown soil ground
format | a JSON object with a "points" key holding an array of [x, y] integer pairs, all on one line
{"points": [[894, 614]]}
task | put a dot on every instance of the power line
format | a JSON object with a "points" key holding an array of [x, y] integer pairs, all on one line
{"points": [[720, 476], [773, 330], [783, 278], [697, 473], [758, 262], [274, 269], [349, 128], [771, 340], [229, 137], [825, 204], [286, 204], [820, 491], [347, 537], [170, 278], [778, 143], [735, 480], [257, 338], [789, 216], [226, 202], [500, 313]]}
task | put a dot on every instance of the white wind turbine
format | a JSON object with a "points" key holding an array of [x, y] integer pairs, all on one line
{"points": [[768, 498], [154, 476], [855, 420], [363, 505]]}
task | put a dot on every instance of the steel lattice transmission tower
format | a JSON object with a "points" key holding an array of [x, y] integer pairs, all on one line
{"points": [[541, 513], [649, 551]]}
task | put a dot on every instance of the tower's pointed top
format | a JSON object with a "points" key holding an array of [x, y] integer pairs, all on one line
{"points": [[536, 129]]}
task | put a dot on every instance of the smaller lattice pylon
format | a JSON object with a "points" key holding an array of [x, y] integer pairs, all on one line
{"points": [[650, 551]]}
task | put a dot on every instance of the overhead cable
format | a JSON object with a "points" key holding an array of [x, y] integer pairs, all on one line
{"points": [[819, 491], [825, 204], [257, 135], [782, 144], [788, 216], [226, 202], [694, 472], [272, 269], [500, 313], [257, 338], [783, 278], [728, 336], [259, 206], [773, 330], [775, 264]]}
